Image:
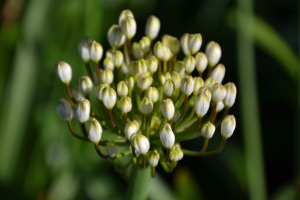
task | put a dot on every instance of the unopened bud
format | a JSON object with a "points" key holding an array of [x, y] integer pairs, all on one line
{"points": [[125, 68], [176, 79], [152, 64], [206, 91], [167, 136], [153, 158], [118, 58], [201, 104], [107, 76], [144, 81], [218, 73], [218, 92], [145, 44], [231, 94], [83, 109], [137, 120], [187, 85], [169, 87], [140, 143], [198, 83], [99, 89], [129, 80], [152, 27], [152, 94], [131, 128], [162, 79], [194, 43], [64, 110], [176, 154], [109, 63], [146, 106], [168, 76], [84, 48], [172, 43], [96, 51], [168, 109], [122, 89], [213, 53], [85, 85], [189, 63], [159, 50], [168, 55], [228, 126], [95, 131], [201, 62], [136, 51], [125, 104], [220, 106], [128, 26], [179, 67], [111, 149], [77, 94], [124, 14], [184, 44], [208, 130], [176, 115], [63, 71], [109, 97], [115, 36], [209, 82]]}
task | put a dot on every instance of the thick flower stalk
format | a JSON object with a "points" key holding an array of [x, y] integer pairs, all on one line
{"points": [[151, 99]]}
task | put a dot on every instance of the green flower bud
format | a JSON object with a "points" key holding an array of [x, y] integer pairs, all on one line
{"points": [[176, 154], [208, 130], [152, 94], [77, 94], [172, 43], [206, 91], [218, 73], [168, 109], [194, 43], [168, 76], [167, 136], [85, 85], [128, 26], [218, 92], [189, 63], [111, 149], [122, 89], [140, 143], [176, 115], [136, 51], [231, 94], [146, 106], [125, 104], [209, 82], [96, 51], [213, 53], [83, 108], [107, 76], [118, 58], [184, 44], [153, 158], [109, 63], [176, 79], [201, 104], [152, 27], [99, 89], [129, 80], [198, 83], [109, 97], [144, 81], [131, 128], [145, 44], [169, 87], [179, 67], [159, 50], [64, 110], [162, 79], [228, 126], [124, 14], [187, 85], [84, 48], [63, 71], [201, 62], [115, 36], [95, 131], [220, 106], [152, 64]]}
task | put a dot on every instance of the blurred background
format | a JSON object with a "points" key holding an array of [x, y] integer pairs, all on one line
{"points": [[39, 159]]}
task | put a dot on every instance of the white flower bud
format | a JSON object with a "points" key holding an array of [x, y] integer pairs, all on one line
{"points": [[213, 53], [168, 55], [144, 81], [187, 85], [179, 67], [189, 63], [152, 64], [160, 50], [96, 51], [131, 128], [206, 91], [194, 42], [84, 48], [125, 68], [218, 73], [83, 108], [168, 109], [137, 120], [77, 94], [152, 94], [198, 83], [122, 89], [64, 110], [140, 143], [209, 82], [146, 106], [143, 65], [167, 136], [63, 71], [107, 76], [201, 62], [176, 79], [176, 154], [118, 58], [153, 158], [115, 36], [231, 94], [169, 87], [208, 130], [176, 115], [220, 106], [128, 26], [99, 89], [109, 97], [145, 44], [201, 104], [109, 53], [85, 85], [184, 44], [172, 43], [111, 149], [168, 76], [124, 14], [125, 104], [152, 27], [218, 92], [136, 51], [134, 68], [227, 126], [162, 79], [95, 131], [129, 80], [108, 63]]}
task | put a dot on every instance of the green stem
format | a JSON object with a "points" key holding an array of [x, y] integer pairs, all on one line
{"points": [[224, 115], [165, 66], [88, 68], [99, 152], [75, 134], [98, 72], [218, 150], [70, 94], [139, 182], [192, 153], [122, 169], [111, 118]]}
